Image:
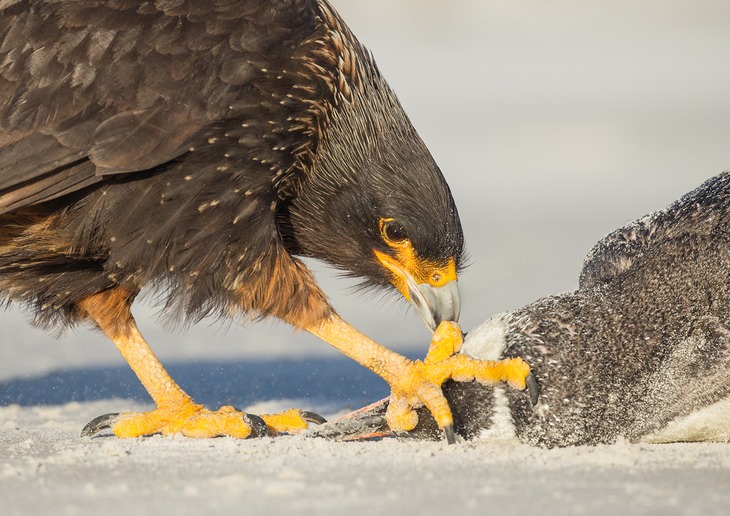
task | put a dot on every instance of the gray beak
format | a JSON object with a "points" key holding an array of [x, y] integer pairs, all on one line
{"points": [[435, 304]]}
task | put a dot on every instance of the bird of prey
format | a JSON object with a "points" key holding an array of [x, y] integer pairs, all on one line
{"points": [[640, 351], [198, 148]]}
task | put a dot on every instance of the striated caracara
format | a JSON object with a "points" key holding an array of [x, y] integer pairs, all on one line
{"points": [[197, 147]]}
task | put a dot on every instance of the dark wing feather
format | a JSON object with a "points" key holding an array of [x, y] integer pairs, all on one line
{"points": [[94, 89]]}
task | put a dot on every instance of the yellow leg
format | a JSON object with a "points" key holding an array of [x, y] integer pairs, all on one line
{"points": [[416, 383], [176, 413]]}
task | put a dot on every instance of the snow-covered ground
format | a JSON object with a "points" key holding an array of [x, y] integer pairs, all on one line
{"points": [[554, 122]]}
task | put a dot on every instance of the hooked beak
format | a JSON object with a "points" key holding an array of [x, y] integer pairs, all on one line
{"points": [[435, 304], [432, 289]]}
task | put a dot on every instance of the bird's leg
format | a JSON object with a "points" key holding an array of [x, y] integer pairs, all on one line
{"points": [[416, 383], [176, 413]]}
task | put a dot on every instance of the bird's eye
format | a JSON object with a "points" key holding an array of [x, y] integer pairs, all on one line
{"points": [[393, 233]]}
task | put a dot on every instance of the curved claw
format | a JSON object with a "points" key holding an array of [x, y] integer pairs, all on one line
{"points": [[311, 417], [532, 388], [257, 424], [450, 434], [98, 424]]}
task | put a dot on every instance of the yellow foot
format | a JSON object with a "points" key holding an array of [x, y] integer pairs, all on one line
{"points": [[192, 420], [291, 421], [420, 382]]}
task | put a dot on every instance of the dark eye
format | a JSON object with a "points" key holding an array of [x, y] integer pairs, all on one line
{"points": [[393, 232]]}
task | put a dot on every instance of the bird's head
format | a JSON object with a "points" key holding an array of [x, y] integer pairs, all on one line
{"points": [[376, 205], [429, 284]]}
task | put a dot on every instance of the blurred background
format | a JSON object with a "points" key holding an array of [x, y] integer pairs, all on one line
{"points": [[554, 123]]}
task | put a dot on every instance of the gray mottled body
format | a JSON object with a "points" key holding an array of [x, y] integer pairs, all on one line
{"points": [[641, 351]]}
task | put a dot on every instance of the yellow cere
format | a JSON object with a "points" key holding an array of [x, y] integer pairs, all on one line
{"points": [[404, 263]]}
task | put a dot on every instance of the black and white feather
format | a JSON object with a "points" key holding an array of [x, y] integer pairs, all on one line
{"points": [[640, 351]]}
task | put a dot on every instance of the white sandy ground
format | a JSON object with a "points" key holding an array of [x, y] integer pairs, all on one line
{"points": [[47, 469], [555, 123]]}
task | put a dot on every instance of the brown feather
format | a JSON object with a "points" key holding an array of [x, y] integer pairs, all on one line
{"points": [[194, 148]]}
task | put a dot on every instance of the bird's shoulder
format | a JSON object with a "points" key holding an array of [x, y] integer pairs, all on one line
{"points": [[700, 213]]}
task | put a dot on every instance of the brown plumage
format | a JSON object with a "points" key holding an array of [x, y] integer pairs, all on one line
{"points": [[177, 139], [197, 148]]}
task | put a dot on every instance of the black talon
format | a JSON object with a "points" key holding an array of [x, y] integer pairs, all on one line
{"points": [[257, 424], [450, 434], [98, 424], [531, 388], [311, 417]]}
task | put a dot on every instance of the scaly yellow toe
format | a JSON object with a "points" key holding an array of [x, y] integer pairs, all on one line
{"points": [[190, 420]]}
